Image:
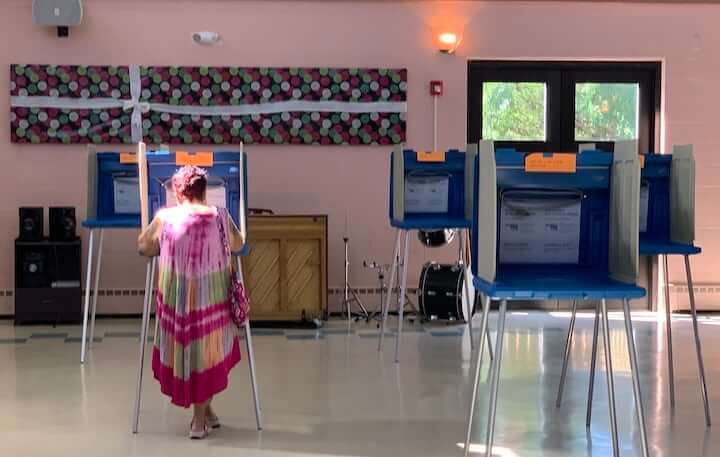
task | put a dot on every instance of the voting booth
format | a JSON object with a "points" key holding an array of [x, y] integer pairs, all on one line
{"points": [[428, 191], [556, 226], [227, 187], [113, 203], [667, 227]]}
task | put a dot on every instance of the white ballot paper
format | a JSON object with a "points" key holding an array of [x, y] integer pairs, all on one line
{"points": [[426, 194], [644, 197], [126, 195], [534, 230], [215, 195]]}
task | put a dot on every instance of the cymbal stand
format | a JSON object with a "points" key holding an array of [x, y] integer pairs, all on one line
{"points": [[350, 295]]}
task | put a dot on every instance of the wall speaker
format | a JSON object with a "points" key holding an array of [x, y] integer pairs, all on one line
{"points": [[62, 224], [31, 224], [58, 13]]}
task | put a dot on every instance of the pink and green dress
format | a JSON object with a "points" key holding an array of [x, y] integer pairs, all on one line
{"points": [[196, 342]]}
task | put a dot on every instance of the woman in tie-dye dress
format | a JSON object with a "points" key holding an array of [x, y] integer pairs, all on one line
{"points": [[196, 344]]}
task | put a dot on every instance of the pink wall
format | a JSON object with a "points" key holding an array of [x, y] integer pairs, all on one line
{"points": [[335, 180]]}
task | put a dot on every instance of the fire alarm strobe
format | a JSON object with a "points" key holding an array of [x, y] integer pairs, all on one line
{"points": [[436, 88]]}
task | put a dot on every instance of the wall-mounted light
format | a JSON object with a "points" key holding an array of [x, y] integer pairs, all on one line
{"points": [[448, 42], [206, 38]]}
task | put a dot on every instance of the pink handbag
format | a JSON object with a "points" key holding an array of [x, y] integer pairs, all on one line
{"points": [[239, 302]]}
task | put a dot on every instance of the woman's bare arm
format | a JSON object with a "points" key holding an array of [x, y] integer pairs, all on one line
{"points": [[237, 240], [149, 239]]}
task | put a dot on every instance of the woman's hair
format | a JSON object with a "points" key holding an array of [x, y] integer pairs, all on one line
{"points": [[190, 182]]}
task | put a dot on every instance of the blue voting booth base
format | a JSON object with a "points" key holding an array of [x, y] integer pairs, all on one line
{"points": [[565, 282]]}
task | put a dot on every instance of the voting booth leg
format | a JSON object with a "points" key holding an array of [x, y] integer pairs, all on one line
{"points": [[390, 288], [609, 378], [495, 381], [668, 332], [593, 364], [403, 290], [469, 300], [568, 344], [253, 376], [698, 347], [143, 341], [478, 366], [96, 286], [86, 307], [639, 410], [251, 360], [151, 290]]}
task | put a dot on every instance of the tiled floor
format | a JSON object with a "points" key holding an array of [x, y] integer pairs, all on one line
{"points": [[330, 393]]}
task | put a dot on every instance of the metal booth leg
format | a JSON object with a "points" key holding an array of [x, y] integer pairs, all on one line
{"points": [[698, 347], [609, 376], [593, 364], [466, 286], [251, 361], [636, 378], [668, 327], [143, 341], [96, 287], [478, 366], [86, 307], [403, 290], [568, 344], [391, 286], [494, 387]]}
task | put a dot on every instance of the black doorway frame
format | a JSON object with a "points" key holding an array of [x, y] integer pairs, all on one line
{"points": [[560, 78]]}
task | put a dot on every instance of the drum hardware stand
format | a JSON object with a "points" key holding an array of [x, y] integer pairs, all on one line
{"points": [[381, 270], [349, 294]]}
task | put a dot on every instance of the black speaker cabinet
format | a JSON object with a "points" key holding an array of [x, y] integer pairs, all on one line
{"points": [[47, 281], [62, 224], [31, 224]]}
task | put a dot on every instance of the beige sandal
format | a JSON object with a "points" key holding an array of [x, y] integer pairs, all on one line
{"points": [[212, 421], [198, 435]]}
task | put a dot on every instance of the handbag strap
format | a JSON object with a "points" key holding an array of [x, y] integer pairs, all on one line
{"points": [[221, 219]]}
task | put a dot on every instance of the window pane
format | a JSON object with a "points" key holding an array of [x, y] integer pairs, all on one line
{"points": [[514, 111], [606, 111]]}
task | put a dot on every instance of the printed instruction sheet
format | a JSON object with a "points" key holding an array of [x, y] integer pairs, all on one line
{"points": [[534, 230], [126, 195]]}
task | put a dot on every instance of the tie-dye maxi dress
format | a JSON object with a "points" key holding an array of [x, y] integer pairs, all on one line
{"points": [[196, 343]]}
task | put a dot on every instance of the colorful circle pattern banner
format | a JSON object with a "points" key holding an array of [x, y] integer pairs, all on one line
{"points": [[208, 105]]}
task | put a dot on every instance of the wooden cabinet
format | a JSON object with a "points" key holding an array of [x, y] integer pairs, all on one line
{"points": [[286, 270]]}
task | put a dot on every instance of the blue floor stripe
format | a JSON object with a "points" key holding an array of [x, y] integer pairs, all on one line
{"points": [[48, 336], [78, 339], [13, 340], [376, 335], [122, 334], [338, 332], [446, 333], [305, 337], [266, 332]]}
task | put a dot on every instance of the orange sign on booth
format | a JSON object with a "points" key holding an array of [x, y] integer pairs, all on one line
{"points": [[128, 157], [199, 159], [431, 156], [555, 162]]}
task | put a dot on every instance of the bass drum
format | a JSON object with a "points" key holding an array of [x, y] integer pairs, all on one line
{"points": [[440, 295]]}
